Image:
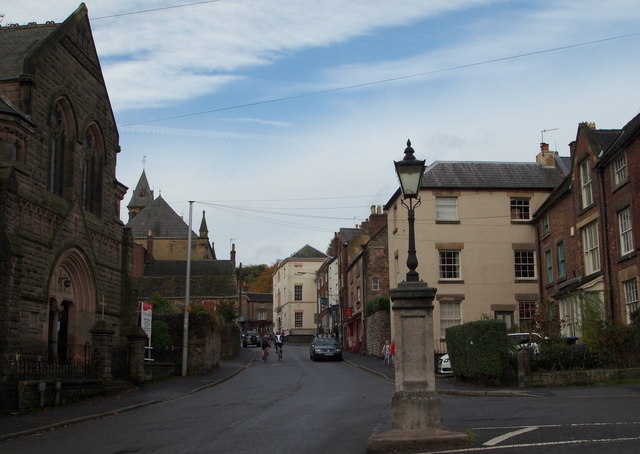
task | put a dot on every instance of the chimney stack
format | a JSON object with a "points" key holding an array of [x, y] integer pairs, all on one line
{"points": [[545, 157]]}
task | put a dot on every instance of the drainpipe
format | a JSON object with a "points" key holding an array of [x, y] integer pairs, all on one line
{"points": [[609, 290]]}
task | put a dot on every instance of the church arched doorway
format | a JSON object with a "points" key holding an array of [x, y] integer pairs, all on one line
{"points": [[72, 307]]}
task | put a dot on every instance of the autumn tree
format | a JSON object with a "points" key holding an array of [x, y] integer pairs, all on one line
{"points": [[264, 282]]}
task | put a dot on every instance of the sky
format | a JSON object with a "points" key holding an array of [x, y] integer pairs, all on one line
{"points": [[281, 119]]}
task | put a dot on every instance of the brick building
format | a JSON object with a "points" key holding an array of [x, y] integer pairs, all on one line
{"points": [[585, 229], [64, 255]]}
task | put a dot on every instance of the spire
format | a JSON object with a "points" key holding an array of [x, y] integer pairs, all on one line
{"points": [[142, 196], [204, 231]]}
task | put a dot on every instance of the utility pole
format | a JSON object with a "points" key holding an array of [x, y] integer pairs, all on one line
{"points": [[187, 297]]}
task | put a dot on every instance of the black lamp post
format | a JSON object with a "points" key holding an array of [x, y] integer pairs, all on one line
{"points": [[410, 171]]}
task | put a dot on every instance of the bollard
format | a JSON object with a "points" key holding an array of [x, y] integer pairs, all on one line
{"points": [[41, 389], [524, 366]]}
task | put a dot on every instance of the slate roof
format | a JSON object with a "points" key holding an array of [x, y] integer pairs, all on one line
{"points": [[491, 175], [209, 278], [142, 195], [198, 268], [260, 297], [161, 219], [308, 252], [630, 131], [17, 43]]}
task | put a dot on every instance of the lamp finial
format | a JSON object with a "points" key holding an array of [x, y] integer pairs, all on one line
{"points": [[408, 152]]}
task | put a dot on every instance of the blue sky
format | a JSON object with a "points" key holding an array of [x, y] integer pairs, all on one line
{"points": [[309, 102]]}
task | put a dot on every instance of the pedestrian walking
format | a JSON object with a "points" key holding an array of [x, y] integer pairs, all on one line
{"points": [[392, 351], [386, 352]]}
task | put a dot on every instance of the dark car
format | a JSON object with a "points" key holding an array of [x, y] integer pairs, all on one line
{"points": [[325, 347], [250, 338]]}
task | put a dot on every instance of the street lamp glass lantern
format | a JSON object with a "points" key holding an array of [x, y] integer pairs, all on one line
{"points": [[410, 171]]}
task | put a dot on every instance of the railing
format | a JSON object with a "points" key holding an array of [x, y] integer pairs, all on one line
{"points": [[36, 369]]}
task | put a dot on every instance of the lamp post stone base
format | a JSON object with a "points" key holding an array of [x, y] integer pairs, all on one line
{"points": [[415, 410], [415, 441]]}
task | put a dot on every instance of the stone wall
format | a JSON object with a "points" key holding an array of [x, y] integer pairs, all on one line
{"points": [[581, 377], [378, 330], [230, 341]]}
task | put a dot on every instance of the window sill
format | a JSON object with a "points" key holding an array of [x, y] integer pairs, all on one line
{"points": [[628, 256], [450, 281], [526, 281], [520, 221], [447, 222]]}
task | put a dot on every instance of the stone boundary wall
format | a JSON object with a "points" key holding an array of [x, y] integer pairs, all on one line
{"points": [[580, 377], [378, 329]]}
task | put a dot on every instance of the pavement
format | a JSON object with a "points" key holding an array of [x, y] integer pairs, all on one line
{"points": [[16, 425]]}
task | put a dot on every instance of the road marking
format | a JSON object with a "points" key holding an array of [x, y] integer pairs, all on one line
{"points": [[533, 445], [501, 438]]}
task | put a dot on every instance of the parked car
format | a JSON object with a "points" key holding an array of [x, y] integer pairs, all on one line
{"points": [[325, 347], [525, 340], [444, 364], [250, 338]]}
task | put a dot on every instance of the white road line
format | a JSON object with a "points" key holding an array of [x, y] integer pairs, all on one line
{"points": [[532, 445], [501, 438]]}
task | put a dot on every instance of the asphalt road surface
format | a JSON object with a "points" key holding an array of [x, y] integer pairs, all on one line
{"points": [[299, 406]]}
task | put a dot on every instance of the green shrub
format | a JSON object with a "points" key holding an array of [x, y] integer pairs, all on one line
{"points": [[381, 303], [478, 350], [160, 337]]}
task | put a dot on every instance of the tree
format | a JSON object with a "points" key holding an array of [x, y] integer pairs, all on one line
{"points": [[264, 282], [248, 274]]}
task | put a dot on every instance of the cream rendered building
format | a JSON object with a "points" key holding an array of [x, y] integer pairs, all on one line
{"points": [[474, 240], [295, 294]]}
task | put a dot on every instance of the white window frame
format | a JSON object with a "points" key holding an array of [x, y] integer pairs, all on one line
{"points": [[620, 170], [449, 266], [625, 231], [524, 264], [526, 315], [298, 319], [585, 183], [630, 290], [297, 292], [446, 208], [450, 315], [570, 312], [520, 208], [590, 248], [375, 284]]}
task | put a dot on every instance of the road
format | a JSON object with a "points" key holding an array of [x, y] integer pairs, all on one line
{"points": [[297, 405], [294, 405]]}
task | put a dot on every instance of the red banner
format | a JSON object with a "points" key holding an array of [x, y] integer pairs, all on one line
{"points": [[348, 311]]}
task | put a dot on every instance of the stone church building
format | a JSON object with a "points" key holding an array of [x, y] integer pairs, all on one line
{"points": [[64, 254]]}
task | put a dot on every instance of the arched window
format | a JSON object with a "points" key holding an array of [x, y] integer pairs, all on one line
{"points": [[57, 145], [92, 171]]}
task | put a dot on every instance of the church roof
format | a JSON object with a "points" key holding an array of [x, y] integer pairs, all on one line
{"points": [[160, 218], [209, 278], [18, 42], [142, 194]]}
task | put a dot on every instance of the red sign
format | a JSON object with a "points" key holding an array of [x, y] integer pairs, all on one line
{"points": [[348, 311]]}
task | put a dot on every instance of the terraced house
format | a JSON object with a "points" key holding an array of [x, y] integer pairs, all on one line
{"points": [[475, 241], [588, 242]]}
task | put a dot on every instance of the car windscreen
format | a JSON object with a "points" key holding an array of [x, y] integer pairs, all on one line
{"points": [[324, 341]]}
